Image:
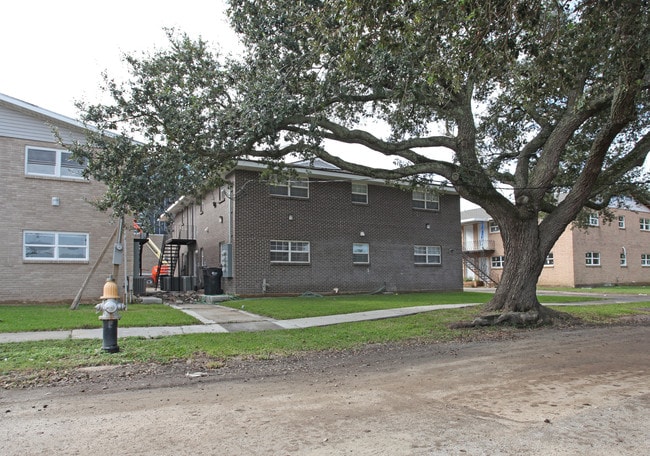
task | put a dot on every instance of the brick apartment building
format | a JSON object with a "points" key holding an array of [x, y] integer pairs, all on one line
{"points": [[325, 231], [604, 253], [51, 235]]}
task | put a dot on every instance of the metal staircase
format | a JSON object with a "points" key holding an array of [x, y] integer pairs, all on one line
{"points": [[480, 273], [170, 254], [170, 278]]}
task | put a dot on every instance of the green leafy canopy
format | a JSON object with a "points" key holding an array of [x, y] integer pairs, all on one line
{"points": [[539, 97]]}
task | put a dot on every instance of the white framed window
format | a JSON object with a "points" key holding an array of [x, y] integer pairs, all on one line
{"points": [[290, 252], [592, 259], [621, 222], [293, 188], [494, 228], [645, 260], [549, 261], [359, 193], [593, 219], [623, 259], [498, 261], [360, 253], [41, 161], [426, 200], [51, 245], [427, 254], [644, 224]]}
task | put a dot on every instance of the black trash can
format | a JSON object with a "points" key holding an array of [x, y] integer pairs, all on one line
{"points": [[212, 281]]}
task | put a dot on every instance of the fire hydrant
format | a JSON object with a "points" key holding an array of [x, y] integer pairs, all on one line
{"points": [[109, 307]]}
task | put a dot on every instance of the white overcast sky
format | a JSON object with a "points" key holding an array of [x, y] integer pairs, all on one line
{"points": [[53, 52]]}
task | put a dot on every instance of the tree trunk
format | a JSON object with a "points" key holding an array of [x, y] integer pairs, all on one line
{"points": [[523, 263]]}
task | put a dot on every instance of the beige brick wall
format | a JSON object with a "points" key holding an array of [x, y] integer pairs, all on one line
{"points": [[26, 204], [607, 239], [610, 241], [561, 273]]}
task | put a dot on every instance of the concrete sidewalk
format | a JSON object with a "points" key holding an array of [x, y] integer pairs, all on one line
{"points": [[221, 319]]}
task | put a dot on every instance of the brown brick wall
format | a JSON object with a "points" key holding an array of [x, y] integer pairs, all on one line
{"points": [[332, 223]]}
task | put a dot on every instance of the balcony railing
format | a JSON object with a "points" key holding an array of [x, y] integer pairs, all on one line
{"points": [[478, 246], [183, 232]]}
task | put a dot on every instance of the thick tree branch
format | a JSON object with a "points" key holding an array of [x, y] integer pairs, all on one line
{"points": [[633, 159], [337, 132], [531, 148], [364, 138], [431, 167], [546, 169]]}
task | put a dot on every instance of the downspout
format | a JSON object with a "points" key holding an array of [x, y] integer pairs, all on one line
{"points": [[230, 216]]}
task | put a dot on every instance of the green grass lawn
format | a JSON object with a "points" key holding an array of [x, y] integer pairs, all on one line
{"points": [[303, 307], [19, 318], [54, 317], [639, 290], [27, 359], [605, 313]]}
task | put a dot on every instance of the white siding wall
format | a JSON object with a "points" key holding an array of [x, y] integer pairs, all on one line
{"points": [[15, 123]]}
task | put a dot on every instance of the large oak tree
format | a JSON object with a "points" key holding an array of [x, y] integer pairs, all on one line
{"points": [[542, 98]]}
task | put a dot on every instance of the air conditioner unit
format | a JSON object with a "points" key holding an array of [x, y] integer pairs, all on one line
{"points": [[187, 283]]}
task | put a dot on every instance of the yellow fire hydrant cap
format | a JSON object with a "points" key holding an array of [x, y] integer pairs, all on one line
{"points": [[110, 289]]}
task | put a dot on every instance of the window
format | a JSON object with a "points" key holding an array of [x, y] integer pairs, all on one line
{"points": [[359, 193], [593, 220], [289, 252], [645, 224], [292, 188], [43, 245], [494, 228], [52, 162], [360, 253], [427, 254], [425, 200], [645, 260], [623, 259], [621, 222], [498, 261], [550, 261], [592, 259]]}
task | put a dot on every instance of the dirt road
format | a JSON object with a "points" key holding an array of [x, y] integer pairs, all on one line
{"points": [[545, 392]]}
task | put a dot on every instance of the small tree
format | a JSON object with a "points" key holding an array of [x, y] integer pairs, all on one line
{"points": [[539, 97]]}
